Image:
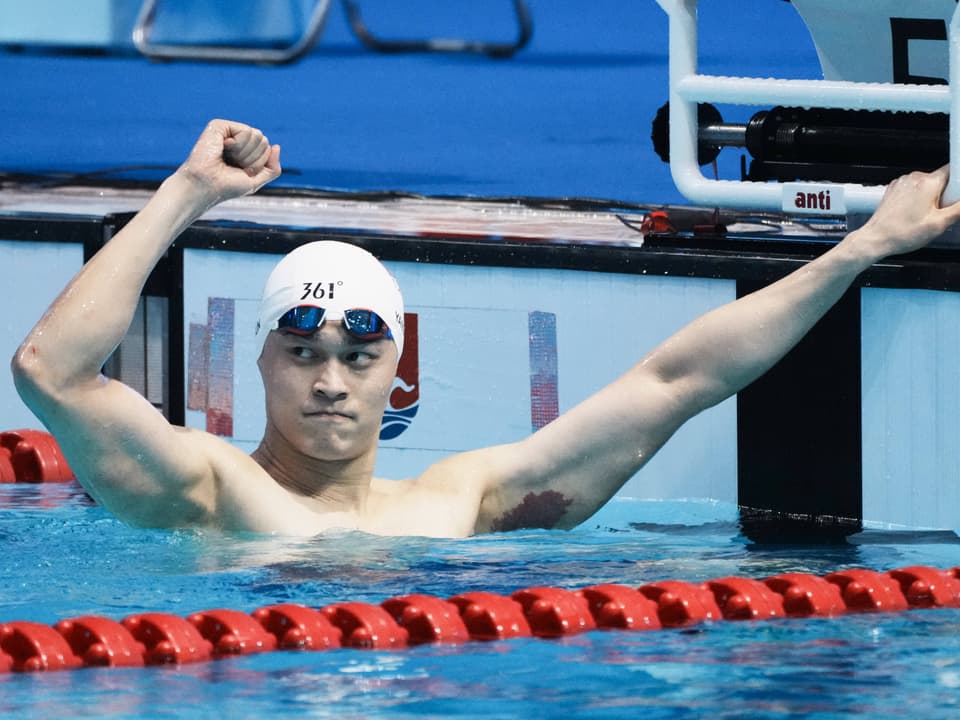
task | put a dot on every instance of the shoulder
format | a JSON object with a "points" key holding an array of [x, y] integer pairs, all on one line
{"points": [[444, 501], [225, 460], [473, 471], [244, 497], [212, 446], [241, 495]]}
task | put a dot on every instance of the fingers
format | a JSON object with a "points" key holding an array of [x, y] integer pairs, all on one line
{"points": [[949, 214], [267, 168], [948, 199], [246, 148], [925, 188], [230, 160], [942, 173], [945, 213], [947, 209], [938, 179], [273, 162]]}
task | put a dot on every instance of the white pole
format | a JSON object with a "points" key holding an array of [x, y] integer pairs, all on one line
{"points": [[687, 88], [842, 94], [952, 192]]}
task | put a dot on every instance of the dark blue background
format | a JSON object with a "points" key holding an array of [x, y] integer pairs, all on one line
{"points": [[568, 116]]}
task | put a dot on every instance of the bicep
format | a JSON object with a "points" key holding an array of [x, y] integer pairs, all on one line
{"points": [[127, 455], [567, 470]]}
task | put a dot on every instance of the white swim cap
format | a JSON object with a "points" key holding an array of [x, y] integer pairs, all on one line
{"points": [[334, 276]]}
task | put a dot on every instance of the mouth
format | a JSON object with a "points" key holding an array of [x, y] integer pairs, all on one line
{"points": [[328, 415]]}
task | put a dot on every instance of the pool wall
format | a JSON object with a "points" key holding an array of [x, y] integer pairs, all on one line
{"points": [[32, 274], [857, 425]]}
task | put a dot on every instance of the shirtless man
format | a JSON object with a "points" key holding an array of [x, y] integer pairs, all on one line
{"points": [[327, 377]]}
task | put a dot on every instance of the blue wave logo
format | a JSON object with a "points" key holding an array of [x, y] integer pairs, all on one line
{"points": [[396, 421]]}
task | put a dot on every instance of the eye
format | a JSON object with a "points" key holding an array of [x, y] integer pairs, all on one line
{"points": [[302, 352], [360, 358]]}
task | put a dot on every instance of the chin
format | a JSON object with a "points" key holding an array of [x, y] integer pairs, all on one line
{"points": [[336, 450]]}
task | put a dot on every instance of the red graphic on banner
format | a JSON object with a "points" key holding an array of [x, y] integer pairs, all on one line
{"points": [[404, 398], [210, 367]]}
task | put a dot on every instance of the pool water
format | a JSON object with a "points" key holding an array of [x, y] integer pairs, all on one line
{"points": [[64, 557]]}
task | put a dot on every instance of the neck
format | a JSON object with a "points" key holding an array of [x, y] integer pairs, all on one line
{"points": [[338, 485]]}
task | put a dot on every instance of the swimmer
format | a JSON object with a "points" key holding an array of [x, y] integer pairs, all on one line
{"points": [[328, 365]]}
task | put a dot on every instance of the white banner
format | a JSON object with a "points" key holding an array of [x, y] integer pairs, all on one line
{"points": [[880, 40]]}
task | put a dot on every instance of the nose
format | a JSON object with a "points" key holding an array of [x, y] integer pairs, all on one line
{"points": [[330, 381]]}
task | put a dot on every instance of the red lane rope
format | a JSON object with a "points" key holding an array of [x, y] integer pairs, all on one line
{"points": [[32, 456], [159, 638], [407, 620]]}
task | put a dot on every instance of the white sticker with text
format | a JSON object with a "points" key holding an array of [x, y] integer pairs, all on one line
{"points": [[813, 199]]}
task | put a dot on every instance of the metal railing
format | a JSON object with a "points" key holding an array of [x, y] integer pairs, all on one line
{"points": [[688, 88], [143, 29]]}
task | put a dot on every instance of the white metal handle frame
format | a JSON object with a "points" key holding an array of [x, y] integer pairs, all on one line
{"points": [[223, 53], [688, 88]]}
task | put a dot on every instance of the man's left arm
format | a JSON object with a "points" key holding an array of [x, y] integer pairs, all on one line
{"points": [[563, 473]]}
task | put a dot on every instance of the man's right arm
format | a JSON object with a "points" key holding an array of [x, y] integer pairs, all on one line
{"points": [[123, 450]]}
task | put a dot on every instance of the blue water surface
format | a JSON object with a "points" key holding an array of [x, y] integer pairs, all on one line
{"points": [[64, 557]]}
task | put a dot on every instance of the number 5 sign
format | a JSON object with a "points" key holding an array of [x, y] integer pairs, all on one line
{"points": [[902, 41]]}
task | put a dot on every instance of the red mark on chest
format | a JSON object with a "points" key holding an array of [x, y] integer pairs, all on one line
{"points": [[538, 510]]}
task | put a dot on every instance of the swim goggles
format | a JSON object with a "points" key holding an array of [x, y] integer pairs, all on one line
{"points": [[362, 324]]}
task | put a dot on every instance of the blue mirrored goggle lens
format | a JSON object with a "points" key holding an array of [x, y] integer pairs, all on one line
{"points": [[365, 324], [301, 320], [362, 324]]}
